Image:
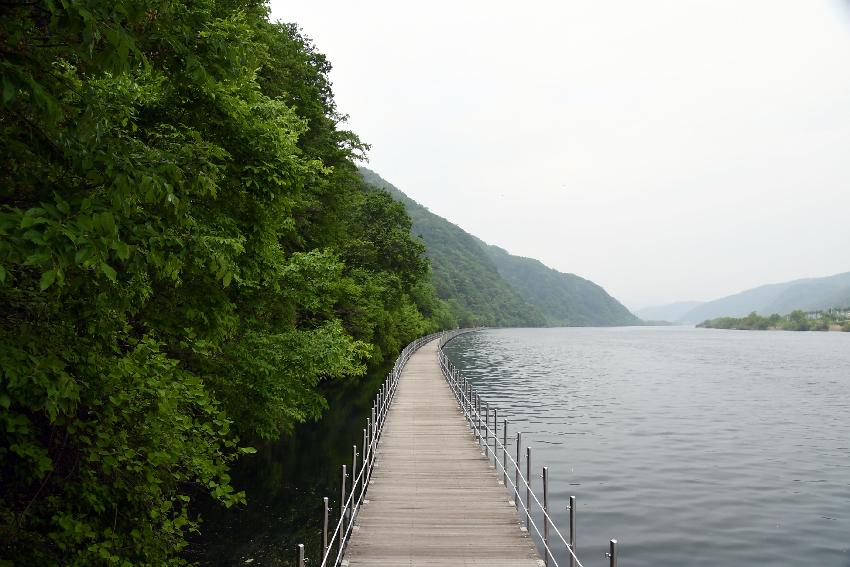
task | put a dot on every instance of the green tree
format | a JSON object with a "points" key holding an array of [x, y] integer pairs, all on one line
{"points": [[177, 269]]}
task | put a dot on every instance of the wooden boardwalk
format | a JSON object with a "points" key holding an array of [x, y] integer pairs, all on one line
{"points": [[434, 500]]}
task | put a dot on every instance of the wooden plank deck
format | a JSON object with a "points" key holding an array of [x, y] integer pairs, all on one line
{"points": [[434, 500]]}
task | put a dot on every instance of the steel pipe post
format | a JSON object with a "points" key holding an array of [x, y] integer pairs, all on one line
{"points": [[505, 454], [365, 470], [572, 509], [300, 555], [613, 553], [495, 439], [325, 512], [477, 408], [486, 430], [353, 481], [342, 506], [367, 452], [469, 404], [516, 468], [527, 488], [478, 416], [546, 515]]}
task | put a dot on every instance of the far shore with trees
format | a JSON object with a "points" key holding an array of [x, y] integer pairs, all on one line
{"points": [[798, 320]]}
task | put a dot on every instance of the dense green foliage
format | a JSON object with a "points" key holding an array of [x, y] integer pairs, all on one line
{"points": [[487, 286], [186, 251], [565, 299], [797, 320]]}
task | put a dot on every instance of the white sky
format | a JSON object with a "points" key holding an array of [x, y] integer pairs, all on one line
{"points": [[666, 149]]}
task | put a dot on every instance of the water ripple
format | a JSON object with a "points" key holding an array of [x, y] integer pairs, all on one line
{"points": [[691, 447]]}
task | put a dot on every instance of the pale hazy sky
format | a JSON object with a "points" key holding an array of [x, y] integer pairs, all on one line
{"points": [[666, 149]]}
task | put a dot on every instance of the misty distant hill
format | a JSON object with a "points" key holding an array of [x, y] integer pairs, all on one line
{"points": [[462, 272], [672, 312], [485, 285], [807, 294], [565, 299]]}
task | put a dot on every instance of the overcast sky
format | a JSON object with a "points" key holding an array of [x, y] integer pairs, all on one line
{"points": [[665, 149]]}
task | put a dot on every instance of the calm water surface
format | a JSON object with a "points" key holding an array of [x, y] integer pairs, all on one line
{"points": [[690, 446], [284, 484]]}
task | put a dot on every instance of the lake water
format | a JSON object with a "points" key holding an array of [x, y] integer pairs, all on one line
{"points": [[284, 484], [692, 447]]}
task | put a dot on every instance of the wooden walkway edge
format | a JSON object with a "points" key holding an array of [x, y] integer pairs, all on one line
{"points": [[434, 500]]}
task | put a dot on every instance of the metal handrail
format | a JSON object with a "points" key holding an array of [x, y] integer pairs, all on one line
{"points": [[470, 406], [350, 507]]}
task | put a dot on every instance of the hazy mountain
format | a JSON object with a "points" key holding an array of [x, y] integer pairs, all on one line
{"points": [[565, 299], [462, 273], [672, 312], [807, 294], [485, 285]]}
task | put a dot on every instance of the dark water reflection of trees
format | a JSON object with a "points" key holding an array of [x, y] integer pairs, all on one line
{"points": [[285, 482]]}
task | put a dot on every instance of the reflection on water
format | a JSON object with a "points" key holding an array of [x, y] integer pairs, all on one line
{"points": [[285, 483], [690, 446]]}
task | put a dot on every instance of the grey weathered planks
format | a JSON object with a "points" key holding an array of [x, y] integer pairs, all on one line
{"points": [[434, 500]]}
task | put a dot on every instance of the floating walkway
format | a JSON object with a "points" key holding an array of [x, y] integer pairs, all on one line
{"points": [[433, 497]]}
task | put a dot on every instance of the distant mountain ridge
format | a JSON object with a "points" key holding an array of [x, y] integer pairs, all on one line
{"points": [[565, 299], [809, 294], [671, 312], [485, 285]]}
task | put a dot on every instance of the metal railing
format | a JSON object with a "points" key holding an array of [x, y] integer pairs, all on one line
{"points": [[351, 498], [471, 404], [477, 413]]}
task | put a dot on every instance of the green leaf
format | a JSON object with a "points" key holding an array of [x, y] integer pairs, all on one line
{"points": [[83, 254], [9, 90], [107, 221], [122, 250], [47, 279], [108, 271]]}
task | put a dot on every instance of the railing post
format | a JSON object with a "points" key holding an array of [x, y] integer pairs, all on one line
{"points": [[300, 555], [613, 553], [486, 431], [505, 454], [469, 412], [478, 414], [572, 531], [476, 406], [325, 513], [374, 445], [342, 507], [546, 515], [365, 471], [527, 488], [516, 468], [367, 457], [495, 440], [353, 481]]}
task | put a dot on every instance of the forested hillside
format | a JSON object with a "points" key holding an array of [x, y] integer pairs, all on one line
{"points": [[565, 299], [485, 285], [462, 272], [186, 251]]}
